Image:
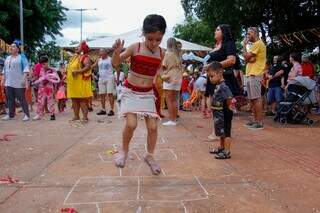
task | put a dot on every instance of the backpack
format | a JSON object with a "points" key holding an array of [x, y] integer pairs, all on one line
{"points": [[23, 61]]}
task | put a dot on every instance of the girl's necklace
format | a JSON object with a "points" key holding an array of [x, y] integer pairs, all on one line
{"points": [[153, 52]]}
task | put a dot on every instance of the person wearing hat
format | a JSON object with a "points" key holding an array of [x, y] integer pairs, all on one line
{"points": [[79, 82], [15, 72]]}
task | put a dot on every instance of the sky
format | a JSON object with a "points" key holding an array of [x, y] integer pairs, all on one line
{"points": [[116, 16]]}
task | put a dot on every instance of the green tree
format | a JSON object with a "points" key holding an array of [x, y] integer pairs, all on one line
{"points": [[49, 48], [195, 30], [272, 17], [41, 18]]}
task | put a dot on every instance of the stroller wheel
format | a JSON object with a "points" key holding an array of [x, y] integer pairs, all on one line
{"points": [[283, 120], [311, 122]]}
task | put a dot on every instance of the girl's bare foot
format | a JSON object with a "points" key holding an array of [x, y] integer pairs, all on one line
{"points": [[119, 159], [155, 168]]}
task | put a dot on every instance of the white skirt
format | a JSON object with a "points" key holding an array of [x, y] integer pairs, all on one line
{"points": [[140, 103]]}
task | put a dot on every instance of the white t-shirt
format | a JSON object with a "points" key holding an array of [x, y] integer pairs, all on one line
{"points": [[121, 76], [13, 72], [105, 69]]}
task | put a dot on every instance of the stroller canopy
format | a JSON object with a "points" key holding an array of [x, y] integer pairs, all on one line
{"points": [[304, 81]]}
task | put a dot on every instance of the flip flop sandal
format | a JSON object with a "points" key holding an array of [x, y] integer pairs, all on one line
{"points": [[216, 151], [223, 155], [119, 159], [155, 168]]}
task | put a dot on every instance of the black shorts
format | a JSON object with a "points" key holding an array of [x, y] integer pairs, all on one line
{"points": [[222, 122]]}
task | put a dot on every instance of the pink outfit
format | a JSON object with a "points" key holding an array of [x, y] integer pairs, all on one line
{"points": [[46, 90], [295, 71], [61, 93], [36, 70]]}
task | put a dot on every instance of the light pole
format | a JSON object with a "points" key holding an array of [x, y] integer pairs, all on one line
{"points": [[81, 10], [21, 25]]}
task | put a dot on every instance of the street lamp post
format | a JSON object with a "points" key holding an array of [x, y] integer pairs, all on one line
{"points": [[81, 11], [21, 24]]}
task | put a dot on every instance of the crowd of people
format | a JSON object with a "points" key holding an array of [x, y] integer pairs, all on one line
{"points": [[157, 79]]}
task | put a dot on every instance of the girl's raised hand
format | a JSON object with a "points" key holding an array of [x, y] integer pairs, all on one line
{"points": [[118, 45]]}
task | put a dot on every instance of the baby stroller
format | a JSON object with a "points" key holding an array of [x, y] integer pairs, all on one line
{"points": [[300, 98]]}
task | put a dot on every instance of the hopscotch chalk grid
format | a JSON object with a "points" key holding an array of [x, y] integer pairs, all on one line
{"points": [[111, 189]]}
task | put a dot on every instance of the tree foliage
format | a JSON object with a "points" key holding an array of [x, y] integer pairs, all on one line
{"points": [[272, 17], [41, 18], [195, 30], [48, 48]]}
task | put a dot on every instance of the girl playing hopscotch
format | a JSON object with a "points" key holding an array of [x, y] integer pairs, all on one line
{"points": [[137, 96]]}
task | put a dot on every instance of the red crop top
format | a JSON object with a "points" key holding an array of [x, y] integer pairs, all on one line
{"points": [[145, 65]]}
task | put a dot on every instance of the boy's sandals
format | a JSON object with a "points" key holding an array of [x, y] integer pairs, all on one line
{"points": [[223, 155], [155, 168], [216, 151], [119, 159]]}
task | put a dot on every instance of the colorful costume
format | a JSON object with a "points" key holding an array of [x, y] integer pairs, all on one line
{"points": [[61, 95], [137, 100], [78, 86], [46, 83]]}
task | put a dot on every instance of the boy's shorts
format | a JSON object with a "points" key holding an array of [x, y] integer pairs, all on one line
{"points": [[222, 122]]}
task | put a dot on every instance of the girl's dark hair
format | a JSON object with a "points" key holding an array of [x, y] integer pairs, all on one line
{"points": [[43, 59], [153, 23], [296, 56], [226, 33], [40, 55]]}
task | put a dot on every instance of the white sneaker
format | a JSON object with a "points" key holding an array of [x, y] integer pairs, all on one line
{"points": [[37, 117], [169, 123], [25, 118], [6, 118]]}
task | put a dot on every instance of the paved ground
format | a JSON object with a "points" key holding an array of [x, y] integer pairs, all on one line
{"points": [[59, 165]]}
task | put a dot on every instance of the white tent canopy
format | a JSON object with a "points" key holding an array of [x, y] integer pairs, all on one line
{"points": [[136, 36]]}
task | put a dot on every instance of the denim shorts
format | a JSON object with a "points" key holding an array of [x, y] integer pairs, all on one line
{"points": [[275, 94]]}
